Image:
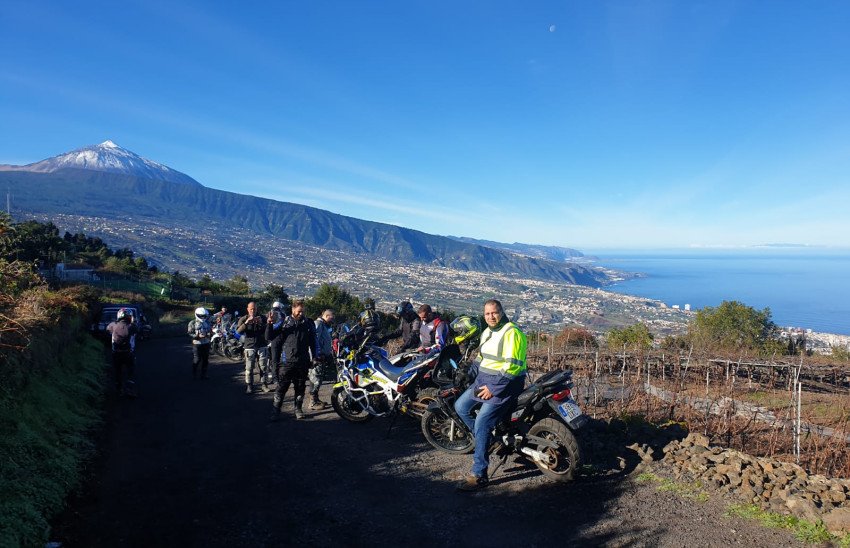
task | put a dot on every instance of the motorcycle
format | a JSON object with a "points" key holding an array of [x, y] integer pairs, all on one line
{"points": [[218, 340], [370, 385], [543, 426], [233, 348]]}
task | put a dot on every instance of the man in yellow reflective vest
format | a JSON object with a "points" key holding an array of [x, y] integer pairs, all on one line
{"points": [[500, 380]]}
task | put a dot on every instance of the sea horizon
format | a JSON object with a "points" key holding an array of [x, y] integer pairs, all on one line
{"points": [[804, 287]]}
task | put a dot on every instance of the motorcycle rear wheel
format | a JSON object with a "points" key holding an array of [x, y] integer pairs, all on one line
{"points": [[437, 429], [233, 354], [563, 461], [347, 408]]}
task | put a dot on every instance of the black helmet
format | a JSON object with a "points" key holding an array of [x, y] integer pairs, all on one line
{"points": [[404, 308], [370, 321], [465, 327]]}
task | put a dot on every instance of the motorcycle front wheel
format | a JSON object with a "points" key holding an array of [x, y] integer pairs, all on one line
{"points": [[563, 460], [445, 434], [347, 408]]}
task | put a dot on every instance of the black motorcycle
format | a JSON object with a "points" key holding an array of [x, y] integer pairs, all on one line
{"points": [[542, 426]]}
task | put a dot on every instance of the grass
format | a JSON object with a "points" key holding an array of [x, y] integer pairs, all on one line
{"points": [[173, 323], [44, 438], [692, 491], [804, 530]]}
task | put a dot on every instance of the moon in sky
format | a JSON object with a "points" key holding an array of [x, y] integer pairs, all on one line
{"points": [[551, 28]]}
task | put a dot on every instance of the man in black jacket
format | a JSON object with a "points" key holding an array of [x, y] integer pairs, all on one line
{"points": [[408, 330], [253, 328], [299, 349]]}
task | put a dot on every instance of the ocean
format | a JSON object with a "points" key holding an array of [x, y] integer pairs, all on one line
{"points": [[803, 287]]}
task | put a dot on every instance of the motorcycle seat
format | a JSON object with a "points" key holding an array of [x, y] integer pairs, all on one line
{"points": [[390, 371], [544, 383]]}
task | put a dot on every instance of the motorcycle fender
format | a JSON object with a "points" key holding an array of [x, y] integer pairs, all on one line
{"points": [[434, 406], [575, 423], [542, 442]]}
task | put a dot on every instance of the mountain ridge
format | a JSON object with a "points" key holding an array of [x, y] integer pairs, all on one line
{"points": [[98, 193]]}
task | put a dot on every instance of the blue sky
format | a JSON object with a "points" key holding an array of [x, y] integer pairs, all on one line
{"points": [[584, 124]]}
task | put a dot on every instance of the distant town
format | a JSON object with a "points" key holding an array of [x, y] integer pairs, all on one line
{"points": [[222, 252]]}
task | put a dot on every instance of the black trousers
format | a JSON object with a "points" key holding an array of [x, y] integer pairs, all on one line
{"points": [[200, 356], [120, 361], [275, 350], [294, 373]]}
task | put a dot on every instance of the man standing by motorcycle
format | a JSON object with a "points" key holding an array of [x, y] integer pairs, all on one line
{"points": [[200, 330], [408, 330], [299, 346], [123, 332], [501, 368], [253, 328], [324, 343], [433, 332]]}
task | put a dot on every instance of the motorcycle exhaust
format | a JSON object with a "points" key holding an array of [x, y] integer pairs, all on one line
{"points": [[536, 455]]}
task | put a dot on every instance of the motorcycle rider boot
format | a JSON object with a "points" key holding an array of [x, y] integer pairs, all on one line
{"points": [[316, 403], [276, 405], [249, 389], [472, 483], [299, 412]]}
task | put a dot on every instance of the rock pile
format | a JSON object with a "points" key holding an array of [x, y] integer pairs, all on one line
{"points": [[772, 485]]}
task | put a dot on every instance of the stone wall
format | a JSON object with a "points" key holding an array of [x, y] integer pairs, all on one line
{"points": [[771, 484]]}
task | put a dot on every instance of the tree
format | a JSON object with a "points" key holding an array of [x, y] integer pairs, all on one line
{"points": [[238, 285], [731, 326], [206, 283], [38, 242], [275, 292], [633, 337], [575, 337], [346, 306]]}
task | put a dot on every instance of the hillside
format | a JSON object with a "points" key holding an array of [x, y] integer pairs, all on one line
{"points": [[118, 196]]}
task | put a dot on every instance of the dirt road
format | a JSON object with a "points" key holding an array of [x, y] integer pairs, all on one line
{"points": [[196, 463]]}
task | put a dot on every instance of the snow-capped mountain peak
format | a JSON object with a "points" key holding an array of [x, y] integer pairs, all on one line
{"points": [[109, 157]]}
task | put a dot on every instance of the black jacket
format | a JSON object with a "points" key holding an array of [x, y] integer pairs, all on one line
{"points": [[408, 331], [254, 332], [299, 340]]}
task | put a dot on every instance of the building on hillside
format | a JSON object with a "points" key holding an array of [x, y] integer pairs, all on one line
{"points": [[74, 272]]}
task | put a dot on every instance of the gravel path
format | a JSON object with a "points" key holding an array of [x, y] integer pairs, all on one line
{"points": [[196, 463]]}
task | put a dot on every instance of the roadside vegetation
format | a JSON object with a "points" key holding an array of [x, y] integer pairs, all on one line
{"points": [[50, 392]]}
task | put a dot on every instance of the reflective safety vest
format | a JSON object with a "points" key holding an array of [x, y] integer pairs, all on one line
{"points": [[503, 351]]}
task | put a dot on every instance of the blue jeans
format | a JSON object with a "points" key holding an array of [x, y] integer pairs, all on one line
{"points": [[481, 426]]}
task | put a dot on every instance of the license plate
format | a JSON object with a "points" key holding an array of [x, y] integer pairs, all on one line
{"points": [[569, 410]]}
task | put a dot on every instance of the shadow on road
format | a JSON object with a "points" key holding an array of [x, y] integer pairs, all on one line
{"points": [[196, 463]]}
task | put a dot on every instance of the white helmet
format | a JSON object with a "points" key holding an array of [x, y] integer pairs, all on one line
{"points": [[123, 312], [277, 305], [201, 313]]}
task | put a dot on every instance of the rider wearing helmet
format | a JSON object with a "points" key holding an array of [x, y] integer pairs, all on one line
{"points": [[274, 323], [200, 330], [123, 331], [408, 329], [370, 321]]}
